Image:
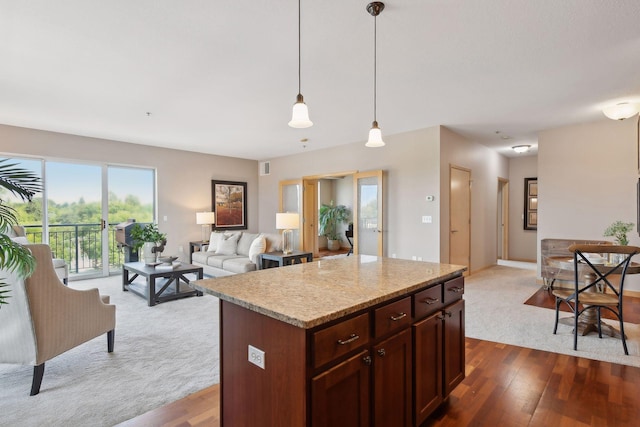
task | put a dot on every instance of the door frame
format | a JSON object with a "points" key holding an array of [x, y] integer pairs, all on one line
{"points": [[503, 209], [451, 167]]}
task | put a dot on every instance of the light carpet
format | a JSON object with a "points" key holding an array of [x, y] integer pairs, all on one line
{"points": [[166, 352], [495, 311], [162, 353]]}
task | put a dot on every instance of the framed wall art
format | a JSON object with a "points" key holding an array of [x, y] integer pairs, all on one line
{"points": [[531, 203], [229, 202]]}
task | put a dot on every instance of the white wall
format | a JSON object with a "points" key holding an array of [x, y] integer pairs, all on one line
{"points": [[522, 243], [587, 177], [183, 178]]}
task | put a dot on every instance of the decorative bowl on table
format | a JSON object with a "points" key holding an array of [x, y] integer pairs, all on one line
{"points": [[167, 259]]}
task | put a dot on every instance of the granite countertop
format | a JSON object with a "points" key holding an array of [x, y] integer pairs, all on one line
{"points": [[310, 294]]}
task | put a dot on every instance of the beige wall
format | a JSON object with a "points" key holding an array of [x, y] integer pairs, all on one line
{"points": [[414, 170], [183, 178], [587, 176], [522, 243], [486, 167]]}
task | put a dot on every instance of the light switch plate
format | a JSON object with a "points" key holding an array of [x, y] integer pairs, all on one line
{"points": [[427, 219]]}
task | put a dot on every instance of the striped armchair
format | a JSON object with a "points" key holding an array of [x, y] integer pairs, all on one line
{"points": [[44, 318]]}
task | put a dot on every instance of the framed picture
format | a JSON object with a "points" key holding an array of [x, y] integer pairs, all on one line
{"points": [[229, 202], [531, 203]]}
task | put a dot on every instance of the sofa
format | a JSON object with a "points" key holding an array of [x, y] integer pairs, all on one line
{"points": [[234, 252]]}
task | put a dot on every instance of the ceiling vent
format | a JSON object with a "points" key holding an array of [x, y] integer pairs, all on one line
{"points": [[265, 168]]}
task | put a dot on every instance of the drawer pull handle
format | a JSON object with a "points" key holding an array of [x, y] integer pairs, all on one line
{"points": [[439, 317], [398, 317], [430, 300], [367, 360], [457, 290], [381, 352], [351, 339]]}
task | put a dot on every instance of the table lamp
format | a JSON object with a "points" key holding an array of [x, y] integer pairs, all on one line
{"points": [[205, 219], [288, 222]]}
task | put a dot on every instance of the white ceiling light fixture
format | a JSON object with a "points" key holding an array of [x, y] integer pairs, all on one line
{"points": [[300, 115], [521, 148], [375, 134], [621, 111]]}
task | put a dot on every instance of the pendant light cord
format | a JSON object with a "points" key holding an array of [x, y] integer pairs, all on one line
{"points": [[299, 49], [375, 66]]}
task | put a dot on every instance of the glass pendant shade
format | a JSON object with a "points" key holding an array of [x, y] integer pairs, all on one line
{"points": [[375, 137], [300, 115]]}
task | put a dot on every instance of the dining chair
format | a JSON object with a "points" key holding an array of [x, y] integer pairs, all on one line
{"points": [[593, 289]]}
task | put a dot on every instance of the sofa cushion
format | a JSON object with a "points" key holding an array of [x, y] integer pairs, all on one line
{"points": [[218, 261], [238, 265], [20, 239], [228, 244], [214, 238], [201, 257], [245, 243], [258, 246]]}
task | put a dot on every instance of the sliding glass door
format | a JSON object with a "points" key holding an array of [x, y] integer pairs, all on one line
{"points": [[79, 208]]}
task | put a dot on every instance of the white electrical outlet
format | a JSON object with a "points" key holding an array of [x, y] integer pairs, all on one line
{"points": [[256, 356], [414, 258], [393, 255]]}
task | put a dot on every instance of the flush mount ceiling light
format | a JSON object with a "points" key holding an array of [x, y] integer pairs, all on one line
{"points": [[521, 148], [621, 111], [375, 135], [300, 114]]}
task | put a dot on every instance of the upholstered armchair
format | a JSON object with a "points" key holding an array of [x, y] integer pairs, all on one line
{"points": [[18, 234], [44, 318]]}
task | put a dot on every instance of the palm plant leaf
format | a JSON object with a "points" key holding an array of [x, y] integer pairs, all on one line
{"points": [[20, 182], [7, 216], [14, 256]]}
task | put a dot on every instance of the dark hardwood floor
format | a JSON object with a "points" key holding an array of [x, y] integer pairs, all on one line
{"points": [[505, 386]]}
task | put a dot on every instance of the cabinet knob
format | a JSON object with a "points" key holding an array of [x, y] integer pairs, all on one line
{"points": [[381, 352], [448, 313], [439, 317], [367, 360]]}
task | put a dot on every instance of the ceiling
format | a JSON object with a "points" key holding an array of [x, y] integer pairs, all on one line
{"points": [[221, 77]]}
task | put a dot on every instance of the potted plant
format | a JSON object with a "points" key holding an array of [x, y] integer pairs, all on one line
{"points": [[329, 218], [618, 230], [14, 256], [150, 239]]}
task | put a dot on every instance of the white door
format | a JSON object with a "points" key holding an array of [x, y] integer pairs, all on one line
{"points": [[460, 216]]}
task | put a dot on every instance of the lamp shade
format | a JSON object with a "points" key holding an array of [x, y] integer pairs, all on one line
{"points": [[300, 115], [621, 111], [375, 136], [287, 221], [205, 218]]}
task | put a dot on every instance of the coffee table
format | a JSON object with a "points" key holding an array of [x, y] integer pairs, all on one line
{"points": [[161, 284]]}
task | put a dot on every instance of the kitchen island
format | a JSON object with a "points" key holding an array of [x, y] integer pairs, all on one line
{"points": [[356, 341]]}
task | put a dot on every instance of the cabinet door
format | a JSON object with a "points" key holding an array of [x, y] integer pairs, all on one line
{"points": [[453, 346], [392, 381], [428, 366], [340, 396]]}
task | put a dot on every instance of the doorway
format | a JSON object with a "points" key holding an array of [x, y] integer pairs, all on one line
{"points": [[460, 216], [503, 219]]}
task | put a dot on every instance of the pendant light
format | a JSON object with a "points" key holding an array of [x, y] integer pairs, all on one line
{"points": [[300, 115], [375, 135]]}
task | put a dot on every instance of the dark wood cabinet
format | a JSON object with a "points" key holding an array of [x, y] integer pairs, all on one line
{"points": [[392, 372], [340, 396], [428, 366], [453, 346]]}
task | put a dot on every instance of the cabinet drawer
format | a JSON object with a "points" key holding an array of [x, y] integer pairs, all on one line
{"points": [[339, 339], [453, 290], [427, 302], [393, 316]]}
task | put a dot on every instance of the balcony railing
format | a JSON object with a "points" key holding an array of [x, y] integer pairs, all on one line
{"points": [[80, 245]]}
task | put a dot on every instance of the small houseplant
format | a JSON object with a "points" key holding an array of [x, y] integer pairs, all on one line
{"points": [[150, 239], [618, 230], [14, 256], [329, 218]]}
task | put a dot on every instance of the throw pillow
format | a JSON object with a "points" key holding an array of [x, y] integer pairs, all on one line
{"points": [[20, 239], [228, 244], [258, 246], [213, 241]]}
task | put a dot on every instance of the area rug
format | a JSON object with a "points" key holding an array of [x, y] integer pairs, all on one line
{"points": [[495, 311], [162, 353]]}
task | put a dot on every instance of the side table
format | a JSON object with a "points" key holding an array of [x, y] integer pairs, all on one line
{"points": [[195, 245], [280, 259]]}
